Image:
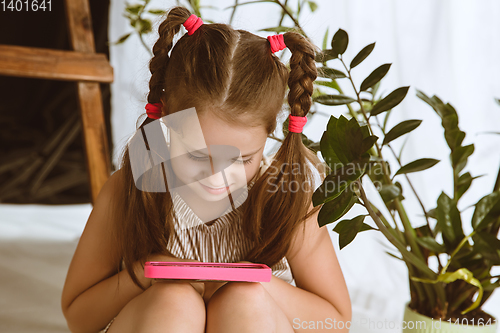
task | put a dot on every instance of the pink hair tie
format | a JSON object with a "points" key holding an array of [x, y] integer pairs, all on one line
{"points": [[277, 42], [153, 110], [192, 23], [296, 123]]}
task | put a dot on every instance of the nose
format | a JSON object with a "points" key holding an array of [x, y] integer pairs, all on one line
{"points": [[215, 181], [223, 156]]}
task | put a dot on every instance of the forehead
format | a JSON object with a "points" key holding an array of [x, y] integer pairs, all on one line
{"points": [[208, 129]]}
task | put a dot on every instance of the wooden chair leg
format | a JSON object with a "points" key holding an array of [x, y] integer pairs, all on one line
{"points": [[94, 133], [94, 130]]}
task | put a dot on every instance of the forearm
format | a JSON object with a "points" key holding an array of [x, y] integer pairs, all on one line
{"points": [[301, 306], [93, 309]]}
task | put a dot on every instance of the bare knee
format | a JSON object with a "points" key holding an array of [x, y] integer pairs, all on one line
{"points": [[239, 294], [164, 304], [242, 307], [181, 294]]}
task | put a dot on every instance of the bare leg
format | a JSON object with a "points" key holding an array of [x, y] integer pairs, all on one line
{"points": [[245, 307], [163, 307]]}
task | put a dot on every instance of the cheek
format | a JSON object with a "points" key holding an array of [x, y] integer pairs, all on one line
{"points": [[183, 167], [250, 170]]}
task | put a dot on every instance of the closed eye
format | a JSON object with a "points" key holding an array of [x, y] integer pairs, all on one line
{"points": [[200, 159]]}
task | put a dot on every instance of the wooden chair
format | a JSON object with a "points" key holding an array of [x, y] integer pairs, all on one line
{"points": [[81, 65]]}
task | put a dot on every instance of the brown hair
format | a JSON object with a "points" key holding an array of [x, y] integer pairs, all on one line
{"points": [[215, 68]]}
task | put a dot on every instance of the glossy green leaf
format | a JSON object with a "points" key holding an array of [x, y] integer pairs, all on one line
{"points": [[488, 245], [334, 99], [328, 154], [340, 41], [401, 129], [449, 220], [431, 244], [348, 229], [312, 5], [134, 9], [486, 210], [329, 190], [365, 52], [390, 101], [389, 192], [432, 213], [418, 165], [325, 38], [143, 26], [463, 184], [335, 183], [375, 76], [331, 73], [332, 84], [336, 135], [123, 38], [156, 11], [278, 29], [459, 157], [324, 56], [354, 144], [314, 146], [335, 209]]}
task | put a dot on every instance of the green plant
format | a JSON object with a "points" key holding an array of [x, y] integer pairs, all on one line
{"points": [[352, 151]]}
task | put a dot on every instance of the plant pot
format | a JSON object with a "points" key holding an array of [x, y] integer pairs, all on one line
{"points": [[416, 323]]}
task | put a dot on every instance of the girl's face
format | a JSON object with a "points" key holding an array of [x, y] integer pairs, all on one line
{"points": [[214, 158]]}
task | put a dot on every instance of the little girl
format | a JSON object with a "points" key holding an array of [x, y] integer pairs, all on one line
{"points": [[218, 94]]}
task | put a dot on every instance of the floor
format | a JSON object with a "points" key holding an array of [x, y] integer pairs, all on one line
{"points": [[37, 243]]}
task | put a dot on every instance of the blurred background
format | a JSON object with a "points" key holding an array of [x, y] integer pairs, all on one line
{"points": [[450, 49]]}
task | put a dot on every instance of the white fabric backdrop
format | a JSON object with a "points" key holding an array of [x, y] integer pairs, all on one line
{"points": [[447, 48]]}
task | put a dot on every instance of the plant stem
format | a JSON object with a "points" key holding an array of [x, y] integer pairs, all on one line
{"points": [[291, 16], [408, 179], [232, 13], [417, 262], [497, 183], [283, 13], [408, 229], [459, 246], [144, 44], [272, 136]]}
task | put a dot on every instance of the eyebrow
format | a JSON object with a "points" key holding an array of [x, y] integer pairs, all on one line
{"points": [[192, 149]]}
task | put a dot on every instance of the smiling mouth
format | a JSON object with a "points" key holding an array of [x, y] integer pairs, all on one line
{"points": [[215, 190]]}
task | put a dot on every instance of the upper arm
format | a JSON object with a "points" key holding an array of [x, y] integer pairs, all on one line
{"points": [[315, 266], [97, 254]]}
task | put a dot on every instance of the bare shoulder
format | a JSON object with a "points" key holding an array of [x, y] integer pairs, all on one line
{"points": [[97, 254]]}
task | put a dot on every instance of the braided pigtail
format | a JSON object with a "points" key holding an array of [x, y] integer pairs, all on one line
{"points": [[159, 62], [288, 183], [143, 230]]}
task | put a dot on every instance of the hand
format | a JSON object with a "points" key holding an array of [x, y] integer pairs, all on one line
{"points": [[148, 282], [198, 286]]}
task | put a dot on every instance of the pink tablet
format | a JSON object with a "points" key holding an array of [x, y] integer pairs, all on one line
{"points": [[207, 271]]}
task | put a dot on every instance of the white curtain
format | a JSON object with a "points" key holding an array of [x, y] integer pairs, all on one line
{"points": [[447, 48]]}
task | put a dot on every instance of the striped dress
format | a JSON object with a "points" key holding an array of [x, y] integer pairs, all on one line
{"points": [[221, 240]]}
